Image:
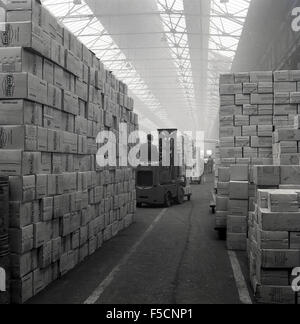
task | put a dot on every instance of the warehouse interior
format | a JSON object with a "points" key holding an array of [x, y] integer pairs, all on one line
{"points": [[80, 78]]}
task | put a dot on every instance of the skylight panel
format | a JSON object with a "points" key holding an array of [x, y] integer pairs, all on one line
{"points": [[80, 20]]}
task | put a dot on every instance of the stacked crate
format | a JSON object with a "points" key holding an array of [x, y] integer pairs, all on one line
{"points": [[286, 147], [273, 238], [55, 98]]}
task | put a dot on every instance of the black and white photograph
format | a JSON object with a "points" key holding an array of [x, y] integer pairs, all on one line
{"points": [[149, 155]]}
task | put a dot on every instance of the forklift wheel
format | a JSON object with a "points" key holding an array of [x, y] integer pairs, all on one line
{"points": [[168, 200], [180, 198]]}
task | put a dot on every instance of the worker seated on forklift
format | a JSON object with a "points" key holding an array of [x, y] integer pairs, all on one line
{"points": [[149, 152]]}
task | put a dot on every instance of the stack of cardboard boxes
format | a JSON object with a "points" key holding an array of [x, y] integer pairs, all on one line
{"points": [[252, 106], [273, 233], [55, 98]]}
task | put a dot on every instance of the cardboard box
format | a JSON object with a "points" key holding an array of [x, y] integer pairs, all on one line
{"points": [[68, 142], [239, 173], [73, 64], [21, 265], [39, 234], [242, 99], [275, 295], [227, 78], [19, 112], [283, 201], [235, 152], [46, 163], [21, 240], [238, 207], [19, 163], [56, 249], [224, 174], [66, 262], [250, 110], [269, 221], [261, 76], [288, 259], [272, 240], [38, 281], [242, 120], [290, 174], [249, 152], [237, 224], [265, 87], [23, 86], [42, 139], [19, 137], [238, 190], [47, 209], [285, 110], [285, 86], [22, 289], [222, 203], [266, 175], [262, 99], [249, 88], [265, 109], [41, 186], [23, 214], [45, 255], [226, 121], [282, 76], [22, 188], [227, 142], [250, 130], [223, 188], [57, 53], [54, 98], [294, 240], [26, 35], [231, 89], [261, 120], [70, 103], [286, 135], [265, 130], [230, 110], [17, 59], [227, 100], [282, 98], [66, 225], [51, 118], [261, 141], [59, 80]]}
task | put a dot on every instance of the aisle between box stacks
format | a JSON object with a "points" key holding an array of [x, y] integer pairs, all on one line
{"points": [[167, 257]]}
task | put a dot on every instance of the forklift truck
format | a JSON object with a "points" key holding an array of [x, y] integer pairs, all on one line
{"points": [[160, 185]]}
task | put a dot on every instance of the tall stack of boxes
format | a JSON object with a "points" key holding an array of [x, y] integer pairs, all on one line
{"points": [[273, 233], [252, 106], [55, 98]]}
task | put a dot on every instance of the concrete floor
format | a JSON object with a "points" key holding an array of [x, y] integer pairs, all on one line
{"points": [[181, 261]]}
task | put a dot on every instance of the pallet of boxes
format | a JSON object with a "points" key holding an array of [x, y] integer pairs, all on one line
{"points": [[274, 234], [55, 98]]}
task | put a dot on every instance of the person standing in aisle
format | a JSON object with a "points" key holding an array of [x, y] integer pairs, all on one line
{"points": [[210, 165]]}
